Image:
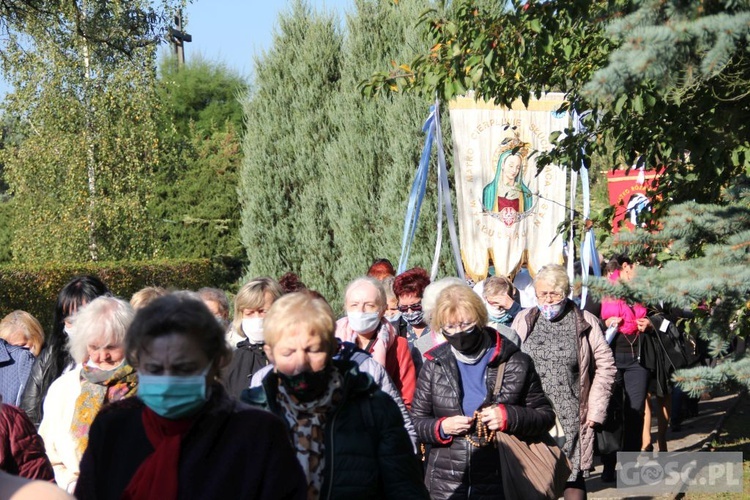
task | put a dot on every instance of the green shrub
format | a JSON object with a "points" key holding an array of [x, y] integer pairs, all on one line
{"points": [[34, 288]]}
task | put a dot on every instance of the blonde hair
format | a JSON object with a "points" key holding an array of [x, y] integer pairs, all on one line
{"points": [[105, 317], [252, 295], [555, 275], [29, 326], [454, 300], [296, 310], [432, 292], [145, 296]]}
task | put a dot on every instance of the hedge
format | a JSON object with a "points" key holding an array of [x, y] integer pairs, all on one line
{"points": [[34, 288]]}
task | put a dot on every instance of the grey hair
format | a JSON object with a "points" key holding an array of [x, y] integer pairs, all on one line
{"points": [[388, 287], [431, 293], [555, 275], [106, 317], [381, 300], [215, 295]]}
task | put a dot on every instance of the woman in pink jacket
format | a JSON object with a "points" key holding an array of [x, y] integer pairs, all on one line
{"points": [[630, 321]]}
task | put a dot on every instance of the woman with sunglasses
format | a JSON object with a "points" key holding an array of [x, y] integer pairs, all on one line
{"points": [[575, 364], [409, 289], [457, 410]]}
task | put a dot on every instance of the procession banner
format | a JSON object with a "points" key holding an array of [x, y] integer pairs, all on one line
{"points": [[507, 212], [628, 194]]}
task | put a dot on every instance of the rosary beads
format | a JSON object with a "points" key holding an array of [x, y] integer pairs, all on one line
{"points": [[484, 435]]}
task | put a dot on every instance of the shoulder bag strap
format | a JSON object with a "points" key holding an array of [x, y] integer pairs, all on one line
{"points": [[499, 379]]}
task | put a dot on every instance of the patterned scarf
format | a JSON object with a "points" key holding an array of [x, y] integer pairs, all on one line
{"points": [[97, 388], [307, 423], [384, 337]]}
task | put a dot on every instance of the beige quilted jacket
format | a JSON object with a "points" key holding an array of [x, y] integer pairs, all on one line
{"points": [[597, 369]]}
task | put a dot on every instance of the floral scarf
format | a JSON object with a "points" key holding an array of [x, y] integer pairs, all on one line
{"points": [[307, 423], [97, 388], [384, 338]]}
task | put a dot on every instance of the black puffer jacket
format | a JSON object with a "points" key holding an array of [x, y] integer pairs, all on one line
{"points": [[246, 360], [456, 469], [368, 453], [47, 367]]}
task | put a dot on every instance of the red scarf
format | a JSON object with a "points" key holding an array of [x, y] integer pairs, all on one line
{"points": [[157, 476]]}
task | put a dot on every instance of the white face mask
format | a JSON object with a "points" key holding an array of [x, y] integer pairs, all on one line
{"points": [[362, 322], [253, 329]]}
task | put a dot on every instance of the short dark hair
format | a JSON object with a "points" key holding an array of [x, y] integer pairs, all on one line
{"points": [[180, 314], [616, 263], [216, 295]]}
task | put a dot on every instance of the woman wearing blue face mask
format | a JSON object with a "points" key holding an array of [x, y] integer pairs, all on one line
{"points": [[575, 365], [183, 436]]}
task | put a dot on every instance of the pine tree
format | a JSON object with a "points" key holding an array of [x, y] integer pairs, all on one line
{"points": [[703, 255], [285, 226], [195, 194]]}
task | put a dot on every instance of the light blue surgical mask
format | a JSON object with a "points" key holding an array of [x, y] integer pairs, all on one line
{"points": [[173, 396], [363, 322], [497, 315], [395, 319]]}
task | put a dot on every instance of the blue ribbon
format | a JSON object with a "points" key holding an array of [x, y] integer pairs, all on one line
{"points": [[432, 129], [418, 188], [444, 198]]}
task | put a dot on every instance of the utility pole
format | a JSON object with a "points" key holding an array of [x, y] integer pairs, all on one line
{"points": [[178, 38]]}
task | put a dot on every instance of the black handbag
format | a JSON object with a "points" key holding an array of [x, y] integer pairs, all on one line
{"points": [[609, 434]]}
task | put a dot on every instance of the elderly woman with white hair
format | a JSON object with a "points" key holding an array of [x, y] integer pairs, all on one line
{"points": [[101, 375], [574, 363]]}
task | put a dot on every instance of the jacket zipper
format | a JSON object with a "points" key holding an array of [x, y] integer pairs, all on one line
{"points": [[330, 479]]}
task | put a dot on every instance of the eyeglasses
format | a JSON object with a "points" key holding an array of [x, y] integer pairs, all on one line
{"points": [[413, 307], [549, 295], [458, 327]]}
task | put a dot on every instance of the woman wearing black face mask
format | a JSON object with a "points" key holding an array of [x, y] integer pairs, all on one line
{"points": [[349, 435], [456, 409]]}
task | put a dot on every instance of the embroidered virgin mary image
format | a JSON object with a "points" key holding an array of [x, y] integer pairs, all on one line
{"points": [[507, 195]]}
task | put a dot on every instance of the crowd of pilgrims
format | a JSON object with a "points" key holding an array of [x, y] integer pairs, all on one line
{"points": [[170, 395]]}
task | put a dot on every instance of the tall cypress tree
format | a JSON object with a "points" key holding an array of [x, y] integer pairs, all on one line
{"points": [[373, 160], [284, 225]]}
